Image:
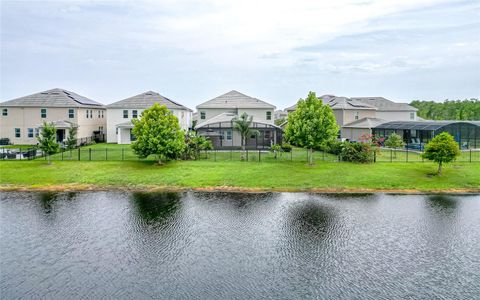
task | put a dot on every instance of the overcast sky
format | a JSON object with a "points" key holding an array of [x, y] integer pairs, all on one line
{"points": [[192, 51]]}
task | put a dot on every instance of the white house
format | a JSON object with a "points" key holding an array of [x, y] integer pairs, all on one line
{"points": [[216, 121], [22, 118], [121, 113]]}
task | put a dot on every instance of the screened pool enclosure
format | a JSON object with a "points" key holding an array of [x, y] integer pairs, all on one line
{"points": [[417, 134]]}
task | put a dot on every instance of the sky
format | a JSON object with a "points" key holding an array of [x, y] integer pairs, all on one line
{"points": [[277, 51]]}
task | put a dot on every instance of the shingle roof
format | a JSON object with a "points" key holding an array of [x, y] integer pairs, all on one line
{"points": [[339, 103], [61, 124], [234, 99], [383, 104], [225, 118], [146, 100], [52, 98], [365, 123]]}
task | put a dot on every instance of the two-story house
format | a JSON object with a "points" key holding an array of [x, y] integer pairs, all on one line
{"points": [[216, 117], [121, 113], [22, 118]]}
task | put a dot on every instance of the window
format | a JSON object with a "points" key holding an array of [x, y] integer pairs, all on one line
{"points": [[30, 132], [43, 113], [356, 115], [100, 128], [17, 132], [102, 113], [71, 113], [269, 115], [5, 112], [229, 135], [203, 115], [412, 116], [37, 132], [125, 114], [134, 113], [116, 130], [87, 113], [91, 113], [99, 113]]}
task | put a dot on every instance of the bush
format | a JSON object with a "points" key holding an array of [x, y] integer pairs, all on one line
{"points": [[286, 147], [194, 144], [357, 152], [334, 147]]}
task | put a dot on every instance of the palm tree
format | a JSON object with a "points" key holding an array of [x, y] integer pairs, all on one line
{"points": [[243, 126]]}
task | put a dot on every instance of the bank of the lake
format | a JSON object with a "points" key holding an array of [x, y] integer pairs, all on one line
{"points": [[281, 176]]}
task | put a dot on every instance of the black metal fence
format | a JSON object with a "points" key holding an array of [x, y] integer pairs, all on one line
{"points": [[97, 153]]}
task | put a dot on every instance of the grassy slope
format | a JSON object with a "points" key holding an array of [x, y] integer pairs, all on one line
{"points": [[279, 175]]}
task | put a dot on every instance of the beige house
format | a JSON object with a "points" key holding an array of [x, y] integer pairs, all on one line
{"points": [[121, 113], [356, 116], [22, 118], [215, 119]]}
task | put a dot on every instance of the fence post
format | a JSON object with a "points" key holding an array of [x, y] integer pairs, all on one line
{"points": [[90, 154], [470, 154], [215, 155], [123, 153], [62, 154], [406, 156], [375, 156], [79, 153], [247, 154], [259, 156], [291, 154], [106, 153], [231, 154]]}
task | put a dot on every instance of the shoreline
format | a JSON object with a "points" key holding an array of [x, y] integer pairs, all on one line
{"points": [[230, 189]]}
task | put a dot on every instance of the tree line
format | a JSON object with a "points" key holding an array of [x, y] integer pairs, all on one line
{"points": [[449, 109]]}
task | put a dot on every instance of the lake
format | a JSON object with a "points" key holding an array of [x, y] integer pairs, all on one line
{"points": [[195, 245]]}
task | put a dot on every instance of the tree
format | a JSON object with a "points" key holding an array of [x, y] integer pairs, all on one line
{"points": [[312, 125], [394, 141], [71, 141], [158, 132], [243, 126], [442, 149], [47, 140], [194, 144], [276, 148]]}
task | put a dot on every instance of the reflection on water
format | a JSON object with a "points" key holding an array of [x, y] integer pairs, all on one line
{"points": [[155, 206], [201, 245]]}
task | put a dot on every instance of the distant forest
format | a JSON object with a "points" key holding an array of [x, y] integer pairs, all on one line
{"points": [[448, 110]]}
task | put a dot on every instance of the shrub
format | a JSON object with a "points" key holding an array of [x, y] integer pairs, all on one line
{"points": [[334, 147], [357, 152], [194, 144], [286, 147]]}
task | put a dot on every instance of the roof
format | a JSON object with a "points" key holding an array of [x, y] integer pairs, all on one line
{"points": [[127, 124], [225, 118], [52, 98], [234, 99], [146, 100], [422, 125], [383, 104], [365, 123], [340, 103]]}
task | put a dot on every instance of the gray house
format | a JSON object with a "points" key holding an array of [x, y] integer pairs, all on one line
{"points": [[215, 120]]}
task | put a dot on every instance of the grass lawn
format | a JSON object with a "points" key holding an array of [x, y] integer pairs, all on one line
{"points": [[274, 175], [18, 146]]}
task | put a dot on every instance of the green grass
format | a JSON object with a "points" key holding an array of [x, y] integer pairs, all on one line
{"points": [[18, 146], [273, 175]]}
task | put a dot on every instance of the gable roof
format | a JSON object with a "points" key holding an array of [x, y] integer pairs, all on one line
{"points": [[227, 117], [53, 98], [146, 100], [365, 123], [340, 103], [234, 99], [383, 104]]}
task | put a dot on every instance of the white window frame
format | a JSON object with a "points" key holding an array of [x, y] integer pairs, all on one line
{"points": [[18, 132], [30, 130], [5, 112], [268, 115], [125, 116], [43, 113], [203, 115], [135, 113], [71, 113], [228, 135]]}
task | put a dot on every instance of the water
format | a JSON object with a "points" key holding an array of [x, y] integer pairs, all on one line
{"points": [[239, 246]]}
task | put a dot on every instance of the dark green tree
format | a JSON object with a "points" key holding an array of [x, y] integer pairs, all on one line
{"points": [[312, 125], [71, 141], [442, 149], [158, 132], [47, 140]]}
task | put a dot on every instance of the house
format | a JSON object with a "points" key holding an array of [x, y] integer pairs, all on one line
{"points": [[216, 121], [358, 115], [389, 110], [22, 118], [121, 113]]}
